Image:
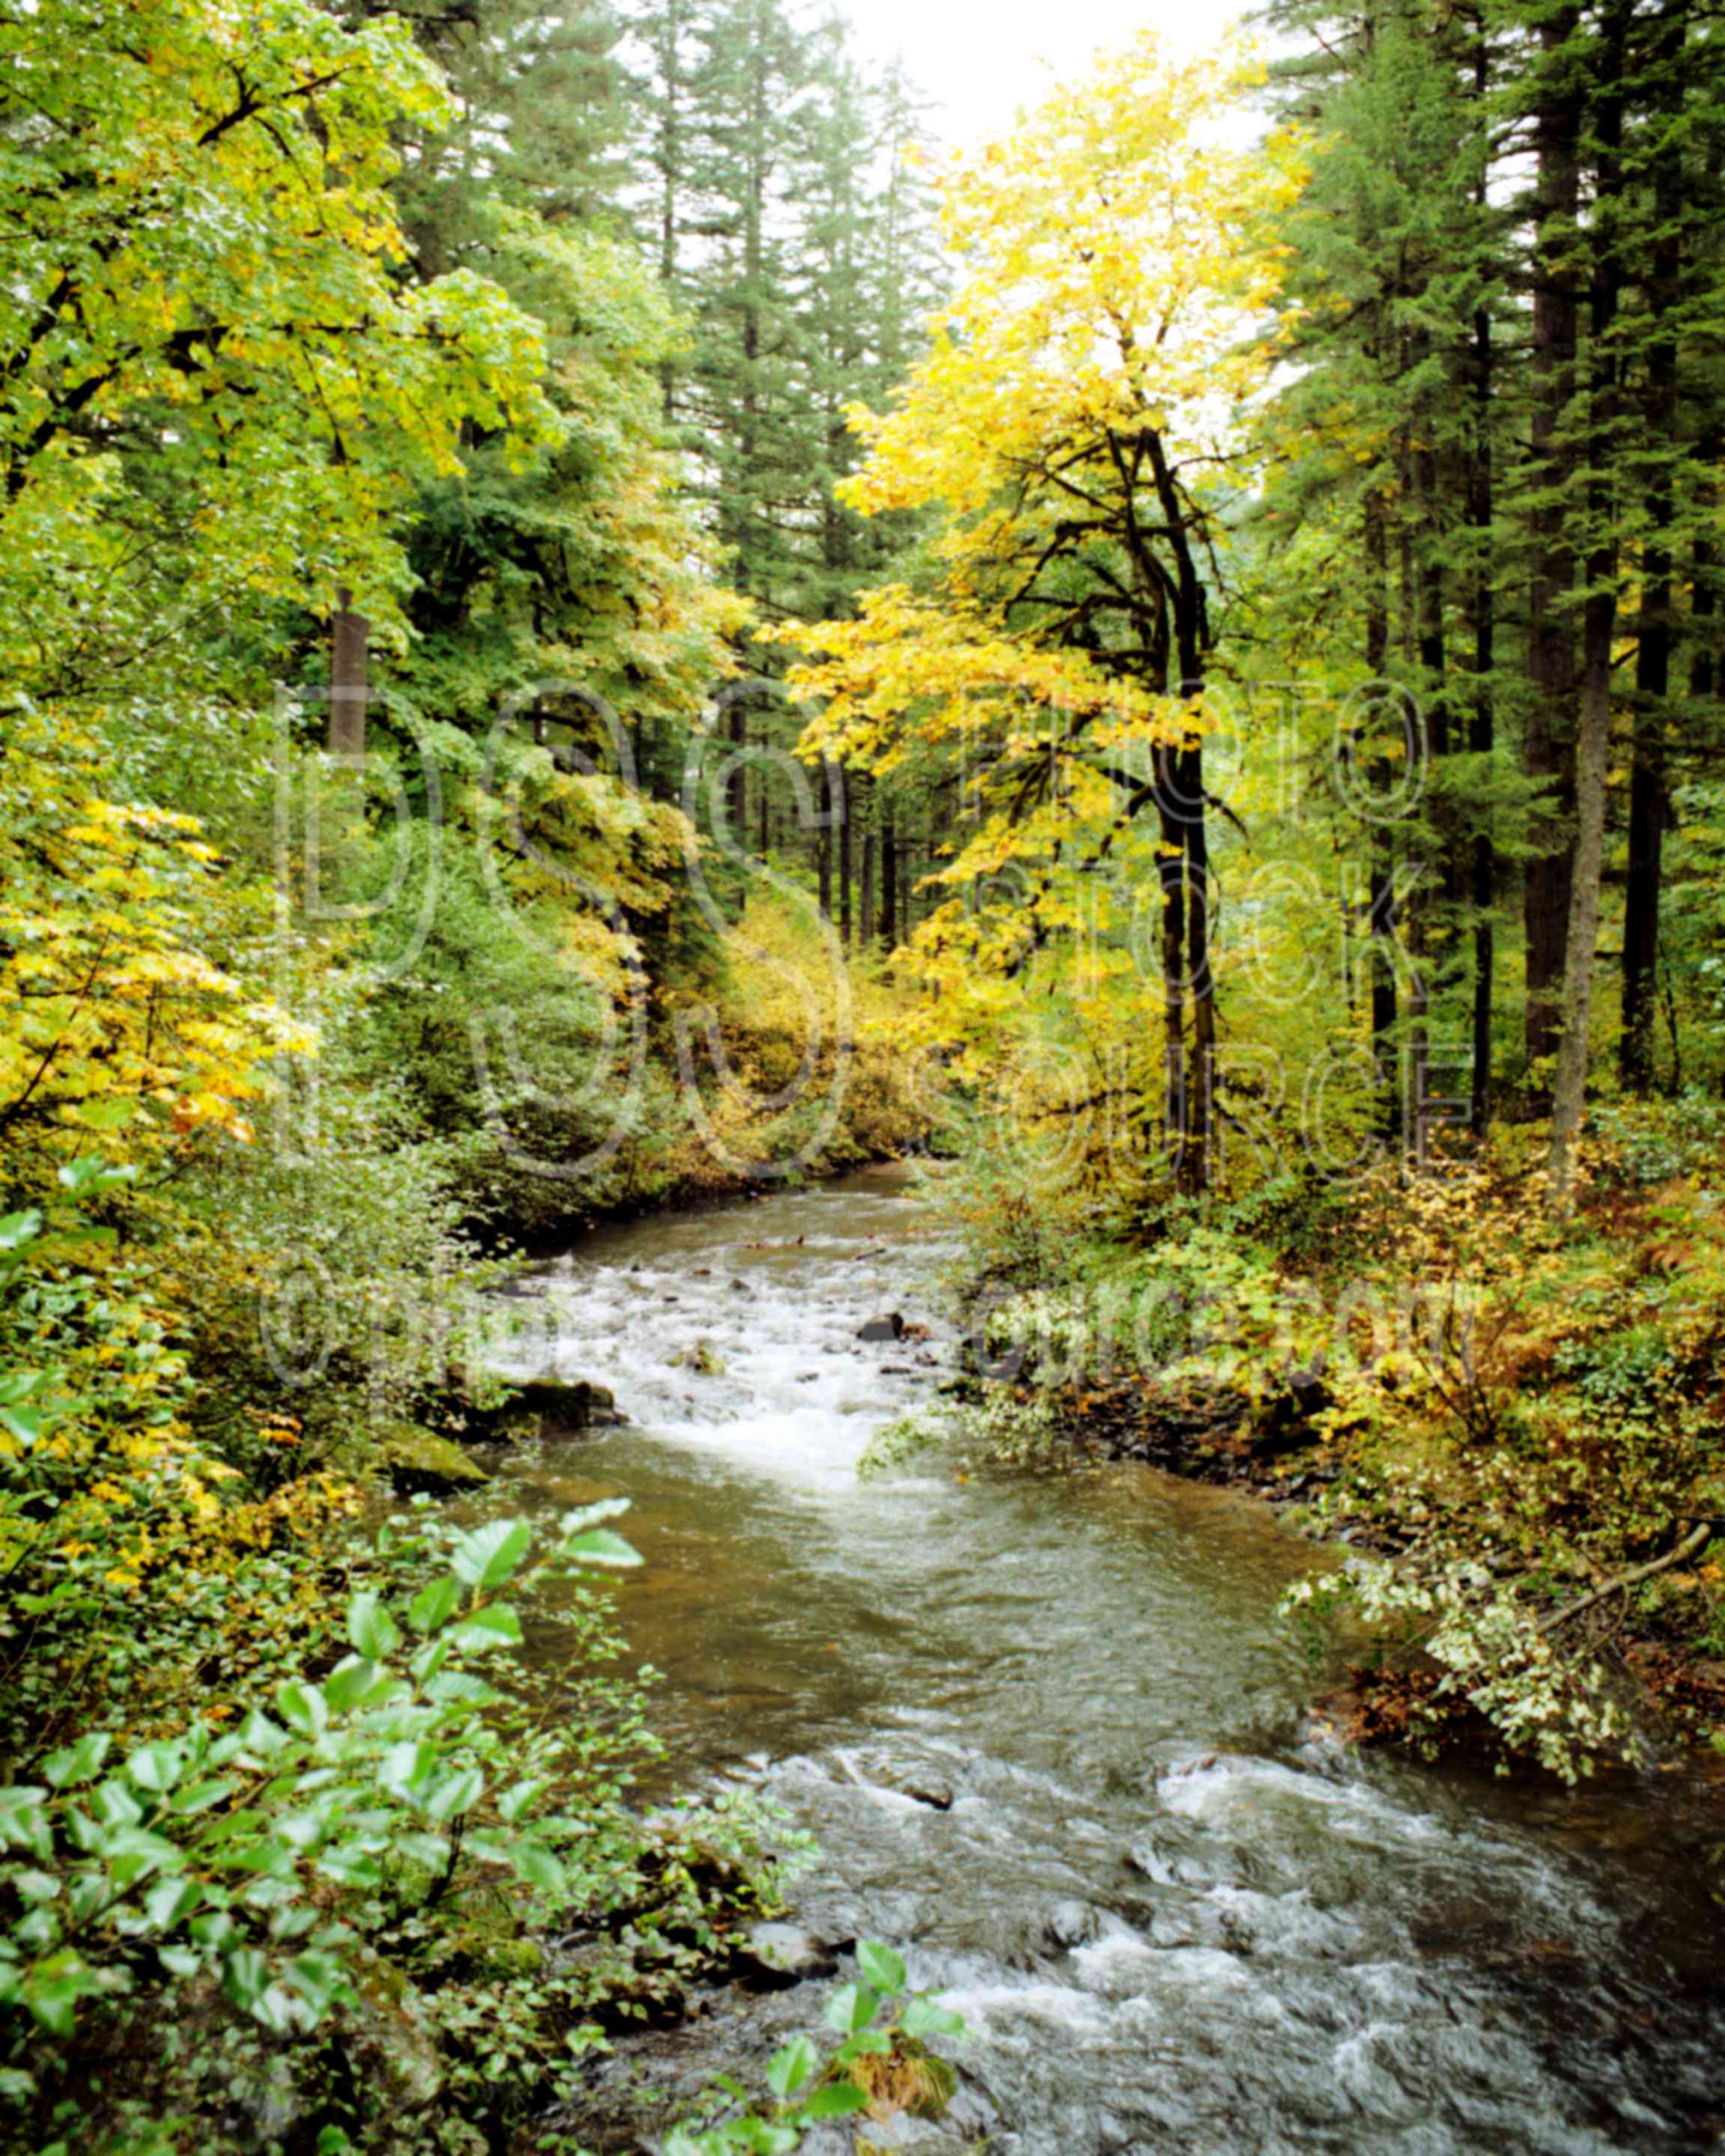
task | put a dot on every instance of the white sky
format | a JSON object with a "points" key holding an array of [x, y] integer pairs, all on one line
{"points": [[978, 61]]}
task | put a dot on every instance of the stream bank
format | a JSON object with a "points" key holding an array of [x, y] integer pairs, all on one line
{"points": [[1054, 1747]]}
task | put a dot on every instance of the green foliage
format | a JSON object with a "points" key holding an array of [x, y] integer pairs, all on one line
{"points": [[1649, 1142], [790, 225], [1014, 1427], [203, 1853], [444, 318], [580, 567], [898, 1444], [221, 388], [1514, 1422], [373, 1839], [346, 313], [881, 2065]]}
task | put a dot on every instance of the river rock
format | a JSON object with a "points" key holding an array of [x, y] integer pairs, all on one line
{"points": [[971, 2112], [564, 1405], [890, 1328], [777, 1956], [929, 1789], [1172, 1856], [1072, 1923], [827, 2140], [906, 2135], [524, 1409], [1287, 1423], [419, 1464]]}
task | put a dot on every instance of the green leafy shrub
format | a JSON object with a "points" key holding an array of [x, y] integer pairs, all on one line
{"points": [[264, 1855], [882, 2064]]}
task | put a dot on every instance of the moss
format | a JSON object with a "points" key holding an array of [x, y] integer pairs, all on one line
{"points": [[417, 1461], [482, 1928]]}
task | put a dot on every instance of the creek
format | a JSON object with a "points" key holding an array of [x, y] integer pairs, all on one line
{"points": [[1054, 1746]]}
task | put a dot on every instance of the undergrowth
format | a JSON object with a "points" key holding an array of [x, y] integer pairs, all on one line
{"points": [[1516, 1417]]}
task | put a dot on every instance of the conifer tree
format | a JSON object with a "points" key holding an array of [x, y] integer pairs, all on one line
{"points": [[1508, 415], [1398, 290]]}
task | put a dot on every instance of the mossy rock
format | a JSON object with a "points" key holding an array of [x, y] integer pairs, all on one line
{"points": [[703, 1359], [520, 1959], [510, 1423], [392, 2040], [418, 1463]]}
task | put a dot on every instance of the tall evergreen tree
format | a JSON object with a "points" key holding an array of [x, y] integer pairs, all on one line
{"points": [[542, 119], [1508, 417], [1387, 436], [782, 210]]}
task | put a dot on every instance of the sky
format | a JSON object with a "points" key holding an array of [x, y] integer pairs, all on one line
{"points": [[979, 60]]}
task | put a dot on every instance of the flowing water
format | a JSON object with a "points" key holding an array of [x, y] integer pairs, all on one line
{"points": [[1054, 1747]]}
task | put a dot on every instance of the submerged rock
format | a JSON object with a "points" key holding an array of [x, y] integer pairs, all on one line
{"points": [[938, 1795], [703, 1359], [779, 1955], [509, 1423], [1072, 1923], [539, 1407]]}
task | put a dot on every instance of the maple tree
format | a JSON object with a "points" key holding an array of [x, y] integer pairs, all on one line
{"points": [[218, 387], [1076, 425]]}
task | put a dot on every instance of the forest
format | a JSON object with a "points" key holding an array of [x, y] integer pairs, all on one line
{"points": [[597, 627]]}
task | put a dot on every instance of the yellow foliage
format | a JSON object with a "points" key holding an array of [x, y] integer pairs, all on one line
{"points": [[1086, 390], [803, 1064], [112, 1016]]}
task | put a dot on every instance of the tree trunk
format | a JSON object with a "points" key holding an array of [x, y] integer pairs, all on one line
{"points": [[1173, 970], [845, 795], [1187, 968], [1649, 801], [669, 161], [1431, 937], [1551, 648], [1380, 905], [823, 840], [1650, 813], [1704, 670], [1593, 748], [350, 653], [889, 881], [1649, 810], [866, 923], [1482, 733], [1201, 976], [1703, 614], [737, 786]]}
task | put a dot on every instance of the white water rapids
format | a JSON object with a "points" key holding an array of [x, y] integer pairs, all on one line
{"points": [[1055, 1748]]}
